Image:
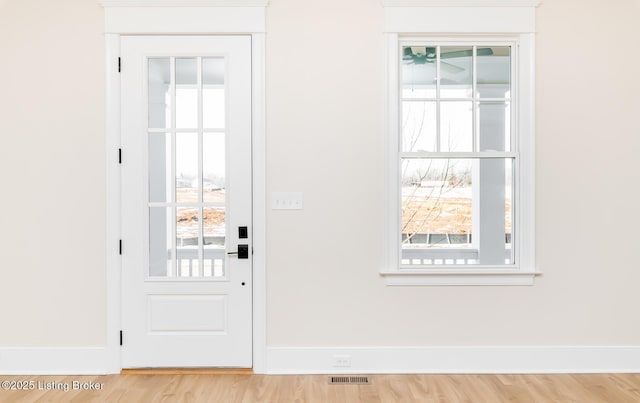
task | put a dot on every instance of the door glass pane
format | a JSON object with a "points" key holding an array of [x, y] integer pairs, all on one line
{"points": [[214, 241], [419, 125], [213, 168], [187, 230], [159, 167], [186, 93], [213, 70], [456, 126], [160, 241], [214, 227], [159, 92], [494, 126], [194, 222], [456, 70], [213, 99], [213, 108], [494, 72], [418, 72], [457, 211], [186, 71], [187, 167]]}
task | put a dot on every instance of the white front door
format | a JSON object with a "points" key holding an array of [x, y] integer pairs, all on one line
{"points": [[186, 201]]}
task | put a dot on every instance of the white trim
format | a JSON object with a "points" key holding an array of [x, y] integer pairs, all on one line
{"points": [[461, 3], [464, 360], [442, 276], [372, 360], [392, 183], [184, 20], [524, 272], [259, 147], [183, 3], [449, 155], [56, 361], [113, 195], [459, 20], [526, 197]]}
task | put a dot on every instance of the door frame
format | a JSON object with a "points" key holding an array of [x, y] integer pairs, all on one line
{"points": [[182, 17]]}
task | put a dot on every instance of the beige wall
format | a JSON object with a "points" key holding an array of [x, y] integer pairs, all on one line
{"points": [[52, 158], [325, 137]]}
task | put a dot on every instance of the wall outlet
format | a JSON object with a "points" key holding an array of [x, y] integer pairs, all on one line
{"points": [[341, 360]]}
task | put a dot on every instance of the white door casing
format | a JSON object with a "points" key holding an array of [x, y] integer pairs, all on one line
{"points": [[197, 312]]}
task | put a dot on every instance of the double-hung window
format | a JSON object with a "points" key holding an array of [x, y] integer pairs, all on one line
{"points": [[457, 154], [460, 159]]}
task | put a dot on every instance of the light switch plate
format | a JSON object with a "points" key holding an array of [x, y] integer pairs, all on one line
{"points": [[286, 201]]}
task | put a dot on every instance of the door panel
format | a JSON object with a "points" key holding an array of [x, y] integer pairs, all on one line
{"points": [[186, 186]]}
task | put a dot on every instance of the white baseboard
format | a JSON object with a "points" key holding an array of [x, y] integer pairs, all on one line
{"points": [[477, 360], [363, 360], [59, 361]]}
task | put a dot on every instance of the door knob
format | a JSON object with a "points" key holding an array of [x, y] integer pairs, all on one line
{"points": [[242, 253]]}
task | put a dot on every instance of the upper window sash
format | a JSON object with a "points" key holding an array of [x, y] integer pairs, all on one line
{"points": [[416, 49]]}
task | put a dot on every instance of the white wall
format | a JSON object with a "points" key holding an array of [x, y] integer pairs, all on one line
{"points": [[52, 208], [325, 101]]}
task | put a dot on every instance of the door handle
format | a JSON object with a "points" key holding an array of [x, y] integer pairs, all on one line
{"points": [[242, 253]]}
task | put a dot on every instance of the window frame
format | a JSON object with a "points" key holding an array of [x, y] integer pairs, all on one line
{"points": [[523, 271]]}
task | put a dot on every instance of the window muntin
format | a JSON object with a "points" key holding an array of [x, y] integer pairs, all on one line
{"points": [[457, 155]]}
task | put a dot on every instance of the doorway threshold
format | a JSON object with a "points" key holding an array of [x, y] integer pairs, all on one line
{"points": [[187, 371]]}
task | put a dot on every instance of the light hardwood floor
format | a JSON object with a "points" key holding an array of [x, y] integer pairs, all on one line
{"points": [[610, 388]]}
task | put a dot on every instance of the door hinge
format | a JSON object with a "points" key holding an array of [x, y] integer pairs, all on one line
{"points": [[119, 65], [119, 155], [121, 337], [120, 247]]}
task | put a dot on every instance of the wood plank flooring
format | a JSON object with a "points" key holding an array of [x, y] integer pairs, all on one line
{"points": [[247, 388]]}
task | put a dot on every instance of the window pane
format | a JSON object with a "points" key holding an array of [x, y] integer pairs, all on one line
{"points": [[186, 93], [494, 72], [187, 230], [418, 72], [159, 82], [456, 126], [187, 167], [159, 167], [456, 70], [419, 126], [160, 235], [494, 126], [457, 211]]}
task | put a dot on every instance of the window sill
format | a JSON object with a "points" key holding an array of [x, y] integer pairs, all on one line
{"points": [[459, 277]]}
